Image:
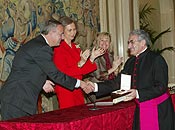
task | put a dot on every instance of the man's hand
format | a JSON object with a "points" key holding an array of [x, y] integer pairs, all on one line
{"points": [[131, 95], [91, 83], [48, 86], [87, 88]]}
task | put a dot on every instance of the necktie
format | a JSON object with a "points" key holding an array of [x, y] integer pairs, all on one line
{"points": [[108, 65], [135, 73]]}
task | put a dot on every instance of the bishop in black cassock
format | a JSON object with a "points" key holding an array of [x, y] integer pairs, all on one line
{"points": [[149, 85]]}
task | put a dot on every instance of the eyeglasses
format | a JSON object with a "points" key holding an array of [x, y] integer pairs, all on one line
{"points": [[132, 42]]}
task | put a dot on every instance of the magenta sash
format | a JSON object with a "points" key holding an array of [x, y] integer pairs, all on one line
{"points": [[149, 112]]}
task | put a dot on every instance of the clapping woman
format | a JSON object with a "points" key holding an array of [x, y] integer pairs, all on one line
{"points": [[107, 65], [72, 61]]}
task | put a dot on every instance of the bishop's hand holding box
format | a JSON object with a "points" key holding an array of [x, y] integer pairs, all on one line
{"points": [[120, 95]]}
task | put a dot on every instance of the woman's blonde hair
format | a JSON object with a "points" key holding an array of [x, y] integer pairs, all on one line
{"points": [[99, 36]]}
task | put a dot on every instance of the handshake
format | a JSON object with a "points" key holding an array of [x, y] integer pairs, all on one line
{"points": [[87, 87]]}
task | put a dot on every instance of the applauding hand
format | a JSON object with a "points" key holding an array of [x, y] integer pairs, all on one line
{"points": [[84, 56], [117, 61], [96, 53]]}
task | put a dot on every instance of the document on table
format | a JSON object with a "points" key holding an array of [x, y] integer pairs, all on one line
{"points": [[101, 104]]}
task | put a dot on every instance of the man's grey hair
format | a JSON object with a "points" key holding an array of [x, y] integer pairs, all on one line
{"points": [[142, 35], [50, 25]]}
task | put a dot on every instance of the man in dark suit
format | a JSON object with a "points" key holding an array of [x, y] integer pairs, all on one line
{"points": [[149, 85], [31, 67]]}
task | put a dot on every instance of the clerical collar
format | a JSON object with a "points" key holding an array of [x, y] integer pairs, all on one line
{"points": [[45, 39], [141, 52]]}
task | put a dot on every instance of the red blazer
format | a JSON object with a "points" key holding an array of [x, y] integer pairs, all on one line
{"points": [[66, 59]]}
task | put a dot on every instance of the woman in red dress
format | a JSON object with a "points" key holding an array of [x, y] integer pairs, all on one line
{"points": [[72, 61]]}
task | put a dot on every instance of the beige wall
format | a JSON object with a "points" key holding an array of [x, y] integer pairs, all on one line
{"points": [[167, 20], [119, 17]]}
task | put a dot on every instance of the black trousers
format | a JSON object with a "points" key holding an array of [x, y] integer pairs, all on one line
{"points": [[9, 111]]}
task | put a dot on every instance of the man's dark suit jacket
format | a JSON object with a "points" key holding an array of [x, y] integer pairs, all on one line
{"points": [[31, 67]]}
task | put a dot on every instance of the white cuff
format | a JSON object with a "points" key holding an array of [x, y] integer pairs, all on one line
{"points": [[96, 87], [137, 94], [77, 85]]}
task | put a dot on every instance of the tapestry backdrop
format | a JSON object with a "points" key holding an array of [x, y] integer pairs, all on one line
{"points": [[21, 20]]}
